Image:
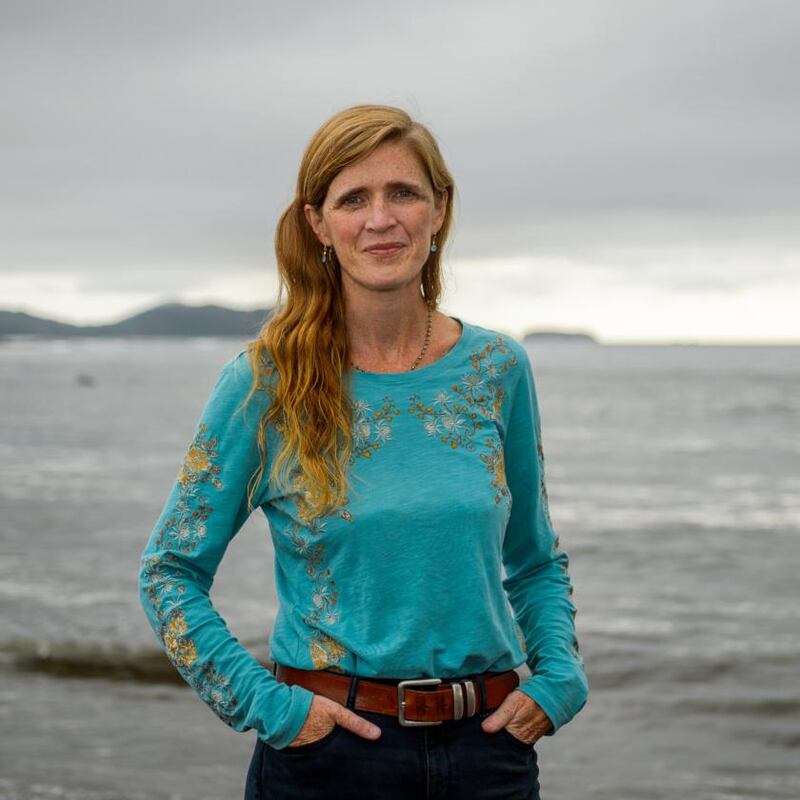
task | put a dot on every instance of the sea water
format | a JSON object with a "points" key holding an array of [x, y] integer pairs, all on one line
{"points": [[674, 482]]}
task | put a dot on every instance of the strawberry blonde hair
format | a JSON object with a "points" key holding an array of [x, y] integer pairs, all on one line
{"points": [[301, 352]]}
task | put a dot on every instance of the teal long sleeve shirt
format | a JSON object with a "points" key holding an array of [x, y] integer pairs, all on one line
{"points": [[446, 493]]}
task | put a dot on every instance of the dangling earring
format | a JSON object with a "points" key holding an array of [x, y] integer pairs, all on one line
{"points": [[325, 254], [434, 246]]}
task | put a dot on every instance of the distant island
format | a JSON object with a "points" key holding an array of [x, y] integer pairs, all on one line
{"points": [[169, 319], [558, 336], [178, 319]]}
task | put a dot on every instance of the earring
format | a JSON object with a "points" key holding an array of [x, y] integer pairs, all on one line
{"points": [[325, 254], [434, 246]]}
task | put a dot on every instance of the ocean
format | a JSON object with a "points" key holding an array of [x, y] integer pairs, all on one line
{"points": [[673, 474]]}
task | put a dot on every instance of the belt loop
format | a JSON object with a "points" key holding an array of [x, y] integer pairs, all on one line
{"points": [[482, 691], [351, 693]]}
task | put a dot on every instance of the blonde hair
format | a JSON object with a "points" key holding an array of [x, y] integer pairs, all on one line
{"points": [[304, 344]]}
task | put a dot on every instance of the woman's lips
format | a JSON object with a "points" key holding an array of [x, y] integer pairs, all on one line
{"points": [[385, 250]]}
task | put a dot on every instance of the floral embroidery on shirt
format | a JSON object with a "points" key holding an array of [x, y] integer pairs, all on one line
{"points": [[371, 429], [520, 637], [542, 484], [183, 530], [456, 417], [163, 591], [326, 652], [495, 463], [198, 465], [268, 374]]}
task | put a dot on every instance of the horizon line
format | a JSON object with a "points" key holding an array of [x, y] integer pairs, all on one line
{"points": [[596, 339]]}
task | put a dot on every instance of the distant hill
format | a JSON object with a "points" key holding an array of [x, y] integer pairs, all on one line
{"points": [[559, 336], [177, 319], [170, 319]]}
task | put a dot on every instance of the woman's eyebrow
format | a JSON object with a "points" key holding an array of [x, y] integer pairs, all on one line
{"points": [[392, 185]]}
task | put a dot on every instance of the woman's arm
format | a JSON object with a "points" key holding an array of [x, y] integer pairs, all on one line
{"points": [[537, 578], [205, 509]]}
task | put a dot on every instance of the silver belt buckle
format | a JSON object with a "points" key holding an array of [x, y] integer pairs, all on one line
{"points": [[458, 700], [401, 701]]}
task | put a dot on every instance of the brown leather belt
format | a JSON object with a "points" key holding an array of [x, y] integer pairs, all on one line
{"points": [[444, 699]]}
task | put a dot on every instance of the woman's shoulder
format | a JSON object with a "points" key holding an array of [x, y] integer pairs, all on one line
{"points": [[249, 370], [495, 344]]}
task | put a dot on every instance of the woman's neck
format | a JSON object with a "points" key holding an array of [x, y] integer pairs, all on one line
{"points": [[386, 333]]}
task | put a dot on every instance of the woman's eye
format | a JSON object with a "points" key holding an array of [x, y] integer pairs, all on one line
{"points": [[406, 193], [350, 200]]}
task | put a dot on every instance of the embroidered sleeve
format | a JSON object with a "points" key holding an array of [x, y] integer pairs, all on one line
{"points": [[205, 509], [537, 576]]}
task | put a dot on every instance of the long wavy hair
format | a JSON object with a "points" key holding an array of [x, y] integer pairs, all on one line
{"points": [[301, 353]]}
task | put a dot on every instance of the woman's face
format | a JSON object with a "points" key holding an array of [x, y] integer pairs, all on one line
{"points": [[379, 215]]}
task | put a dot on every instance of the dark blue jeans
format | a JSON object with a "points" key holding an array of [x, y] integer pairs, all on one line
{"points": [[454, 760]]}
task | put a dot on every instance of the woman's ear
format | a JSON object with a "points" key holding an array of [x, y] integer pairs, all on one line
{"points": [[317, 223], [440, 206]]}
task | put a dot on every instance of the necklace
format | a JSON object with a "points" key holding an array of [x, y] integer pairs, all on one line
{"points": [[424, 346]]}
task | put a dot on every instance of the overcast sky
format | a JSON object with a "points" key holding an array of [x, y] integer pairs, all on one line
{"points": [[628, 168]]}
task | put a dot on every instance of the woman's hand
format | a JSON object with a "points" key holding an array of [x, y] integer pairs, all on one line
{"points": [[324, 715], [528, 722]]}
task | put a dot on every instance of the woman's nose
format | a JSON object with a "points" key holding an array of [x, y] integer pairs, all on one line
{"points": [[380, 215]]}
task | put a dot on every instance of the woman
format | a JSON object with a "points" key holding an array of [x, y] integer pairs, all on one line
{"points": [[397, 455]]}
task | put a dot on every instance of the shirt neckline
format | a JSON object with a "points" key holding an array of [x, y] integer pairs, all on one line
{"points": [[420, 373]]}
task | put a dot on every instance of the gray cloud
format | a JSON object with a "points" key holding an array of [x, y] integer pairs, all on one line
{"points": [[167, 135]]}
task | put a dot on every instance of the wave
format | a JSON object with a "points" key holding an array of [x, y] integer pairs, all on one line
{"points": [[742, 706], [775, 408], [72, 659], [626, 664], [610, 665]]}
